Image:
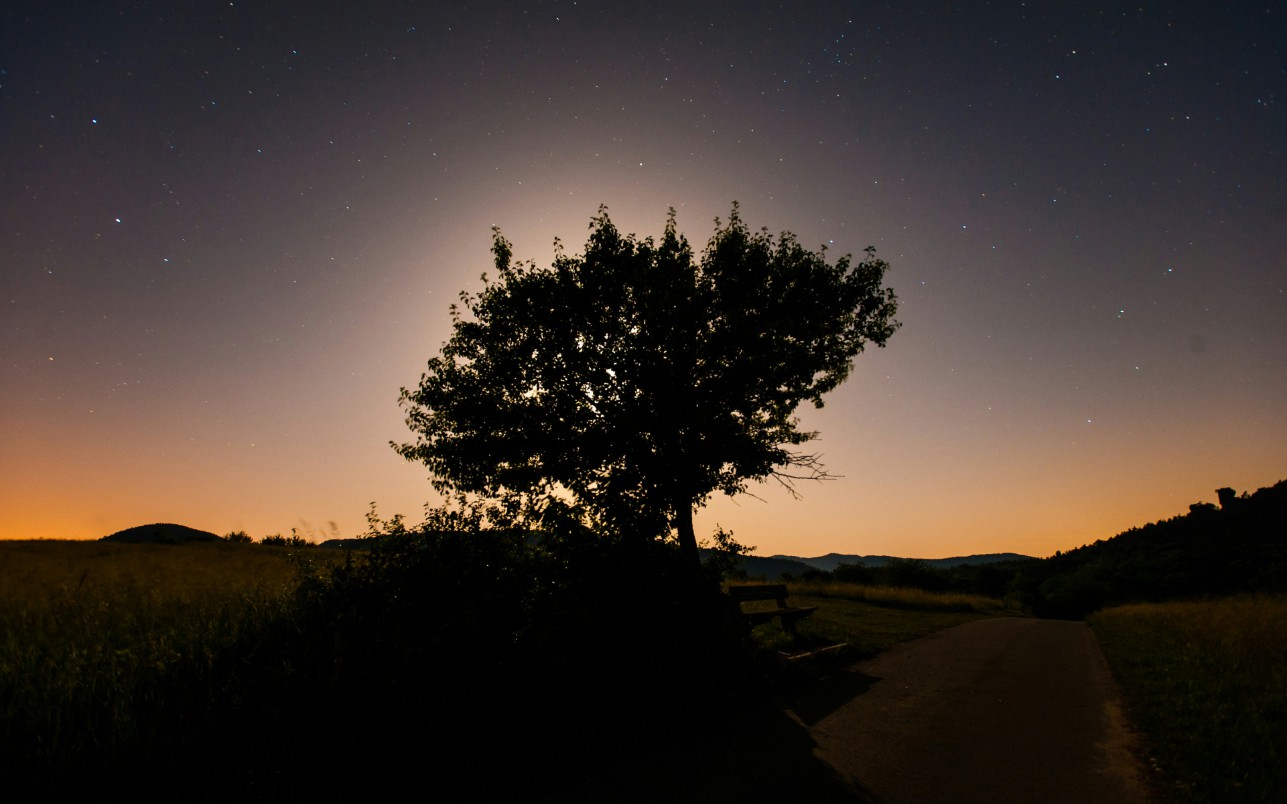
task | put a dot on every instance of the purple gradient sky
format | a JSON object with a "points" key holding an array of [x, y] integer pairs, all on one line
{"points": [[231, 231]]}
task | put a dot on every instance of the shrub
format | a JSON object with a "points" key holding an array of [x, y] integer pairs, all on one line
{"points": [[543, 648], [293, 540]]}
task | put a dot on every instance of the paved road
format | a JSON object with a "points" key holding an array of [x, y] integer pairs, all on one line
{"points": [[998, 710]]}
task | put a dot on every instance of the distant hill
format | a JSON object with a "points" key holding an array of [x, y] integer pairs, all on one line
{"points": [[770, 568], [774, 567], [161, 533], [830, 561]]}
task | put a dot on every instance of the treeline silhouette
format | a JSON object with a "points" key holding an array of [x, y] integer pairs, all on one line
{"points": [[1239, 545], [989, 580]]}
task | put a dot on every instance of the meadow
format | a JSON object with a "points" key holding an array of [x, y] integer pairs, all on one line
{"points": [[109, 648], [1206, 683], [869, 619]]}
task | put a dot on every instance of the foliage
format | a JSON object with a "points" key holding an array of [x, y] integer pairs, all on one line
{"points": [[723, 551], [1206, 682], [540, 647], [294, 540], [986, 580], [622, 387], [1238, 547], [238, 537]]}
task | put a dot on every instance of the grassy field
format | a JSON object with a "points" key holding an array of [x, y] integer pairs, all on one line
{"points": [[95, 638], [870, 619], [1206, 683]]}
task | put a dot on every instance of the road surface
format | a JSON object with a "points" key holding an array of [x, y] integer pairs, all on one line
{"points": [[997, 710]]}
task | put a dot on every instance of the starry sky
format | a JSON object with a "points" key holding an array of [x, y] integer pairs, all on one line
{"points": [[230, 233]]}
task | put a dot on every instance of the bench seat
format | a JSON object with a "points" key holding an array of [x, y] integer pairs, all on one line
{"points": [[788, 615]]}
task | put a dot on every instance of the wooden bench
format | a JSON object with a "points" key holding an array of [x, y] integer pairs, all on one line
{"points": [[789, 615]]}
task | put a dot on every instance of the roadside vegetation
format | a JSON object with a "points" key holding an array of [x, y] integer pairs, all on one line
{"points": [[1206, 682], [104, 648], [902, 597]]}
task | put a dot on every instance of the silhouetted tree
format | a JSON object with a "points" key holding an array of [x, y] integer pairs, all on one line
{"points": [[858, 573], [913, 573], [627, 384], [278, 540]]}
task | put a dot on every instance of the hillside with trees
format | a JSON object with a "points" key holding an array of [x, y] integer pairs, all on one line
{"points": [[1238, 545]]}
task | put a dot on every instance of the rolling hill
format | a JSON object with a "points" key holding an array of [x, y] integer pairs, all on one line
{"points": [[161, 533]]}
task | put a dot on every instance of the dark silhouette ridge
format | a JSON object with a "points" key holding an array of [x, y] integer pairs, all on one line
{"points": [[1239, 547], [161, 533], [832, 560]]}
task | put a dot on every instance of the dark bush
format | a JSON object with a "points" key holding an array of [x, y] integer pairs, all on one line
{"points": [[855, 573], [549, 652], [913, 573]]}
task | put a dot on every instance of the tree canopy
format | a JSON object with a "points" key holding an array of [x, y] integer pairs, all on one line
{"points": [[624, 386]]}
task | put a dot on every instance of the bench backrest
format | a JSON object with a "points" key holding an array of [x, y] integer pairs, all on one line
{"points": [[763, 591]]}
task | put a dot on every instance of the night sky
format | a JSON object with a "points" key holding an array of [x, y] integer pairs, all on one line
{"points": [[231, 231]]}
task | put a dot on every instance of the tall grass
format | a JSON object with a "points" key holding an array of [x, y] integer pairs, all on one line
{"points": [[899, 597], [869, 619], [97, 640], [1206, 682]]}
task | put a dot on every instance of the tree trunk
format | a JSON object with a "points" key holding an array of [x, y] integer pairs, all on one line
{"points": [[687, 538]]}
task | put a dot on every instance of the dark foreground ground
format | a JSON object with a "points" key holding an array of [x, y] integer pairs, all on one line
{"points": [[998, 710]]}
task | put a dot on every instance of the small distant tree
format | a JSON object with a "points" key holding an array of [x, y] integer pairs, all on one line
{"points": [[293, 540], [238, 537], [627, 384], [913, 573]]}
